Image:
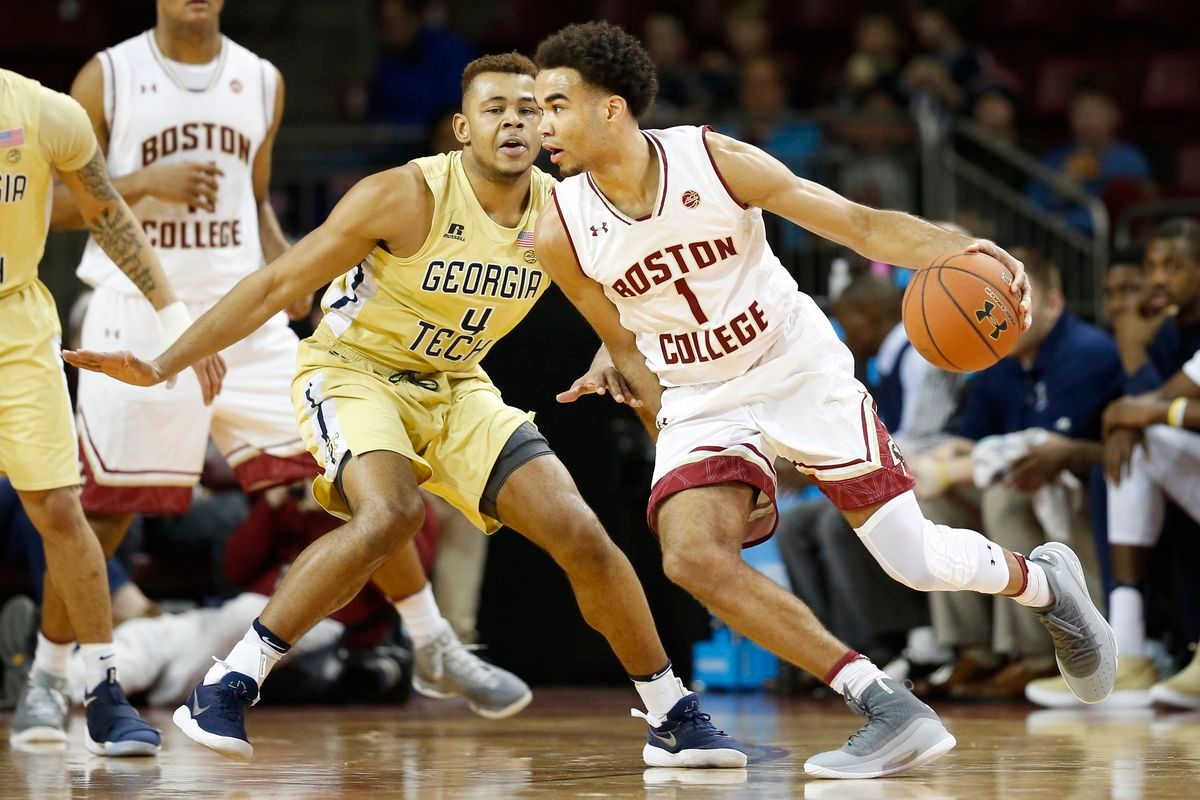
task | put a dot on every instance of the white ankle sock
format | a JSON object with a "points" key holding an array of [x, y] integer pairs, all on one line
{"points": [[855, 676], [52, 657], [1037, 587], [98, 660], [421, 616], [660, 693], [1126, 613], [253, 656]]}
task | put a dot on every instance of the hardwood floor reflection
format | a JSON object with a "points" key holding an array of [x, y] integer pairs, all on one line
{"points": [[583, 744]]}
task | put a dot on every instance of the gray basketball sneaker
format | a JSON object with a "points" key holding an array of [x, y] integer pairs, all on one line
{"points": [[41, 714], [901, 733], [18, 629], [447, 668], [1084, 644]]}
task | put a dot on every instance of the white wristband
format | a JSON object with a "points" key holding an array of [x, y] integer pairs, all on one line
{"points": [[174, 320]]}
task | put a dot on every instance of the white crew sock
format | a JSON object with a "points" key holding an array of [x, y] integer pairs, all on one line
{"points": [[1036, 593], [855, 676], [98, 660], [1126, 613], [255, 655], [52, 657], [660, 694], [422, 618]]}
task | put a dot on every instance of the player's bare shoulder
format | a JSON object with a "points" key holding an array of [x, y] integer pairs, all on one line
{"points": [[397, 206], [554, 247]]}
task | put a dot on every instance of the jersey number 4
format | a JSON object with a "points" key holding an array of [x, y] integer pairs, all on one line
{"points": [[694, 304]]}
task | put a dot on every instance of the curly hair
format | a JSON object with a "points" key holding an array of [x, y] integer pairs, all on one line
{"points": [[605, 56], [510, 63]]}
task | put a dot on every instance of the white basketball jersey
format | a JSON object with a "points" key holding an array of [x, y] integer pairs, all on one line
{"points": [[153, 118], [695, 281]]}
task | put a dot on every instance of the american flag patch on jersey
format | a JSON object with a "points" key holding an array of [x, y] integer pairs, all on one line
{"points": [[525, 239], [15, 137]]}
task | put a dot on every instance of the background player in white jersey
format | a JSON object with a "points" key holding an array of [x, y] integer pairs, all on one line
{"points": [[658, 239], [391, 395], [43, 132]]}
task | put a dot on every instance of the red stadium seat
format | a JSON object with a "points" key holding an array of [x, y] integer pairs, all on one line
{"points": [[1172, 82]]}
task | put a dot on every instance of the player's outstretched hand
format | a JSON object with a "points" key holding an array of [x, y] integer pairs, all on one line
{"points": [[1020, 285], [600, 380], [211, 372], [124, 366]]}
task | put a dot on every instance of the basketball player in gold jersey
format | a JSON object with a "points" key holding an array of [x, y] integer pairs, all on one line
{"points": [[42, 132], [390, 395]]}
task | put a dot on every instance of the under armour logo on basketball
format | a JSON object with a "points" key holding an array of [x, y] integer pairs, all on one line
{"points": [[602, 229], [985, 313]]}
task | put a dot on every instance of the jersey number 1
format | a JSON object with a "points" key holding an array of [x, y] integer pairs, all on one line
{"points": [[694, 304]]}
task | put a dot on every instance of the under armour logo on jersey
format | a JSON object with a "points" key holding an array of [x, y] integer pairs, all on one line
{"points": [[602, 229], [455, 231], [153, 88]]}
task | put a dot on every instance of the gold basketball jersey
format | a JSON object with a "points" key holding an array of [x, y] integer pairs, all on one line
{"points": [[443, 308], [40, 130]]}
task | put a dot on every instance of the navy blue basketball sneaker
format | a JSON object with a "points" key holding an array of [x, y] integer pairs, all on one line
{"points": [[215, 715], [113, 726], [687, 738]]}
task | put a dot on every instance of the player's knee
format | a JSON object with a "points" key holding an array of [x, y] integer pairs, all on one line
{"points": [[583, 545], [389, 523], [696, 569], [54, 511]]}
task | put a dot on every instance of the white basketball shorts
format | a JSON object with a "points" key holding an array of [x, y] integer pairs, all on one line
{"points": [[800, 401], [143, 448]]}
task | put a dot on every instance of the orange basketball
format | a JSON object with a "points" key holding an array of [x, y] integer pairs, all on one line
{"points": [[959, 313]]}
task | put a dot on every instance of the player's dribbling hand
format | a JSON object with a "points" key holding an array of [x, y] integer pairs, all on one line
{"points": [[191, 182], [600, 380], [1020, 285]]}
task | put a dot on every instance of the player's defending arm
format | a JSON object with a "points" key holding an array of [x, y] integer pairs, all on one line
{"points": [[353, 228], [557, 257], [890, 237], [190, 182]]}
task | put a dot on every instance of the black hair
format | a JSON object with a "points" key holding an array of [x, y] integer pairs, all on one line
{"points": [[1184, 228], [1130, 254], [605, 56]]}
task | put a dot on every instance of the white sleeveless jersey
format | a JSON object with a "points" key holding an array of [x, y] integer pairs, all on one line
{"points": [[154, 119], [695, 281]]}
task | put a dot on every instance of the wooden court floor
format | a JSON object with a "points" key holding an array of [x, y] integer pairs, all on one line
{"points": [[582, 744]]}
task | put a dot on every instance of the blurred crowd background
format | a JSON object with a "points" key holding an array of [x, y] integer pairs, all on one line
{"points": [[1069, 130]]}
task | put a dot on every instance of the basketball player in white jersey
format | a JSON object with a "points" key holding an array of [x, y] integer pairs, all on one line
{"points": [[188, 119], [431, 264], [657, 238]]}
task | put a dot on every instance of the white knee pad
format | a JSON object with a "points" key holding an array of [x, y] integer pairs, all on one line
{"points": [[929, 557]]}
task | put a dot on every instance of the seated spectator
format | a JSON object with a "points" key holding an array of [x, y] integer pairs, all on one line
{"points": [[874, 65], [1030, 428], [1094, 158], [949, 69], [845, 587], [1123, 283], [1152, 454], [995, 111], [681, 91], [420, 66]]}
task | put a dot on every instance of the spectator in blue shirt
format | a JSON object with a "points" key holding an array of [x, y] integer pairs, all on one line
{"points": [[419, 69], [1066, 371], [1095, 158]]}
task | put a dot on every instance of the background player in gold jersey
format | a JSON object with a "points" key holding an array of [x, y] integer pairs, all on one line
{"points": [[42, 131], [391, 396]]}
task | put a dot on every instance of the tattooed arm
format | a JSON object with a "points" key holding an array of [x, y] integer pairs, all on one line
{"points": [[117, 231]]}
